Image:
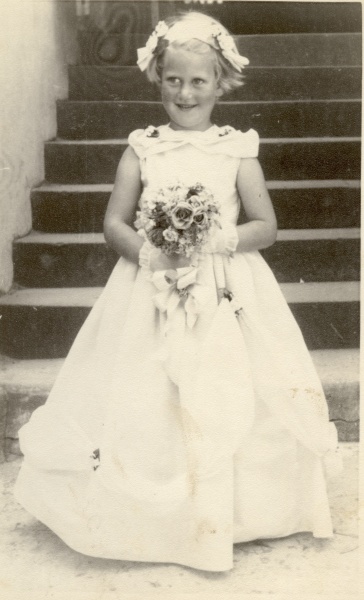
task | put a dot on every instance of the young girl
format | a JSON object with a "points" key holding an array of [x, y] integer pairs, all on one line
{"points": [[188, 415]]}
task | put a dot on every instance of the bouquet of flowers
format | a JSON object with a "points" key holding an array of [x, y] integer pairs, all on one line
{"points": [[177, 218]]}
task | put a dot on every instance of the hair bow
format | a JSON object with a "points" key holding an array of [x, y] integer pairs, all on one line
{"points": [[183, 31], [145, 54]]}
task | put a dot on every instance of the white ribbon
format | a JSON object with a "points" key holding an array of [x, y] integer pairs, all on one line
{"points": [[145, 54], [180, 286], [144, 58]]}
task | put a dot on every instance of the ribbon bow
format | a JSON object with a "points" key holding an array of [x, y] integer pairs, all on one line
{"points": [[180, 286], [145, 54], [214, 35]]}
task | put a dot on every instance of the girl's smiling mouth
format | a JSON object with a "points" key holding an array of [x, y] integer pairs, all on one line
{"points": [[186, 106]]}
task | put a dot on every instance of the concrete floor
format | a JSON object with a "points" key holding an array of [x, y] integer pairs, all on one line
{"points": [[36, 565]]}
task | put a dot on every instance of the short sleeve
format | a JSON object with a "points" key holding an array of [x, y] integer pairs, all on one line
{"points": [[141, 140], [250, 144], [232, 142], [135, 140]]}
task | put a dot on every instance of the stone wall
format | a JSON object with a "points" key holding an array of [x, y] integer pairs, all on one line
{"points": [[37, 40]]}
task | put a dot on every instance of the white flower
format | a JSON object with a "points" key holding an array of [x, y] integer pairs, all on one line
{"points": [[151, 131], [196, 201], [170, 235], [149, 224]]}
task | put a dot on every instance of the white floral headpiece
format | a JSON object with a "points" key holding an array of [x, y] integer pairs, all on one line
{"points": [[214, 35]]}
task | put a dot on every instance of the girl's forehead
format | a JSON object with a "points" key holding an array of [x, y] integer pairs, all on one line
{"points": [[188, 60]]}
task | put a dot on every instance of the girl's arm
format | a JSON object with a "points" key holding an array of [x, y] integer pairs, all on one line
{"points": [[120, 213], [261, 229], [120, 216]]}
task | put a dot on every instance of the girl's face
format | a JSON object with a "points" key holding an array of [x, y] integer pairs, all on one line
{"points": [[189, 89]]}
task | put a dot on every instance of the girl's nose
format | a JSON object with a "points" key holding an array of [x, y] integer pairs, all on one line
{"points": [[185, 91]]}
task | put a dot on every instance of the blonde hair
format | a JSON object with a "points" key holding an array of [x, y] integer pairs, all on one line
{"points": [[228, 77]]}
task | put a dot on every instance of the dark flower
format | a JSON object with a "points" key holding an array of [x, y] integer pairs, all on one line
{"points": [[194, 190], [200, 218], [156, 237], [226, 131]]}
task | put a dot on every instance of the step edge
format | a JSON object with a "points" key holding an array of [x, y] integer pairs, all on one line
{"points": [[282, 140], [314, 184], [248, 68], [94, 238], [271, 184], [295, 293], [83, 297], [340, 233], [70, 187], [223, 103], [265, 36]]}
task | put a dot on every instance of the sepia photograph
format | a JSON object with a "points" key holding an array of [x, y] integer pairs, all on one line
{"points": [[180, 300]]}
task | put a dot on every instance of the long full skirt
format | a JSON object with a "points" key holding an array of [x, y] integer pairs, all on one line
{"points": [[182, 424]]}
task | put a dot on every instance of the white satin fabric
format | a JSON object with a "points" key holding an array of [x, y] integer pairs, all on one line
{"points": [[212, 427]]}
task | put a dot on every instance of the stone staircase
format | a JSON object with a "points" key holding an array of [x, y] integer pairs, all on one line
{"points": [[302, 94]]}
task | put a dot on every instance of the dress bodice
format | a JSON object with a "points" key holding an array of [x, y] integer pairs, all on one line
{"points": [[210, 157]]}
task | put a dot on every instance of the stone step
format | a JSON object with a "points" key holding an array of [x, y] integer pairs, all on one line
{"points": [[92, 82], [99, 120], [83, 259], [263, 50], [245, 17], [69, 208], [58, 208], [25, 385], [42, 323], [281, 158]]}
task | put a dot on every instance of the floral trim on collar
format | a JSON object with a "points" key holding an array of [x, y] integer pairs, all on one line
{"points": [[226, 130], [151, 132], [222, 140], [154, 132]]}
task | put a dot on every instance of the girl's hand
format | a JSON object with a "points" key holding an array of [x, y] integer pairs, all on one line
{"points": [[163, 262], [223, 241]]}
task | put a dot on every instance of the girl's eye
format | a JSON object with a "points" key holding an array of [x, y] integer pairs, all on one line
{"points": [[198, 81], [173, 80]]}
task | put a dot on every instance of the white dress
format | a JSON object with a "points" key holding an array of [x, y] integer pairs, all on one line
{"points": [[210, 427]]}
